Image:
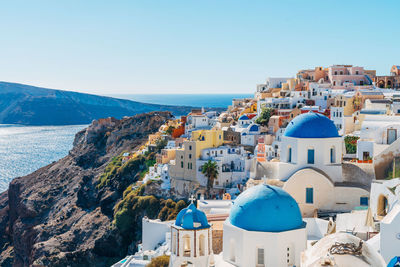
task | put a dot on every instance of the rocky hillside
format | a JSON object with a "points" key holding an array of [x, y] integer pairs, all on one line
{"points": [[63, 215], [29, 105]]}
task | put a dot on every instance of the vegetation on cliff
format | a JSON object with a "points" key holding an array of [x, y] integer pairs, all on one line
{"points": [[135, 205], [64, 213]]}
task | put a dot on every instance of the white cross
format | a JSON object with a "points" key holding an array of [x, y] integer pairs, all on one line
{"points": [[192, 198], [264, 179]]}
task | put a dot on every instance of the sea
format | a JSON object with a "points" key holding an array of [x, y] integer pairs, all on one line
{"points": [[194, 100], [24, 149]]}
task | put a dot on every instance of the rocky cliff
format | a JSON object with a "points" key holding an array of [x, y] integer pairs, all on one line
{"points": [[59, 216]]}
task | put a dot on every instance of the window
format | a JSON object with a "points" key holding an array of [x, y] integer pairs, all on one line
{"points": [[181, 164], [309, 195], [310, 156], [190, 147], [174, 243], [333, 160], [364, 201], [260, 257], [186, 246], [356, 72], [341, 72], [190, 156], [232, 256], [289, 155], [202, 245]]}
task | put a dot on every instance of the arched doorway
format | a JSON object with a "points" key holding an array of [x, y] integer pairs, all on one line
{"points": [[381, 84], [382, 208]]}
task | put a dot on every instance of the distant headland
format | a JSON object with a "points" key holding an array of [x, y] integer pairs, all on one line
{"points": [[30, 105]]}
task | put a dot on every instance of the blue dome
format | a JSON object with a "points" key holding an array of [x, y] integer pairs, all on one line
{"points": [[311, 125], [265, 208], [253, 128], [244, 117], [191, 218]]}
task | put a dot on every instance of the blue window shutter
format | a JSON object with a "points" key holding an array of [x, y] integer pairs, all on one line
{"points": [[364, 201], [310, 195], [310, 158]]}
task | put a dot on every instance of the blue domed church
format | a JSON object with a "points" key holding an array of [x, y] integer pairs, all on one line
{"points": [[310, 164], [265, 228], [191, 239]]}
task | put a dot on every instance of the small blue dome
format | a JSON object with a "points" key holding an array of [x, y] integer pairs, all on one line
{"points": [[243, 117], [191, 218], [266, 208], [253, 128], [311, 125]]}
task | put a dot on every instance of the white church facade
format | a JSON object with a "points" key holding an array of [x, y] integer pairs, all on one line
{"points": [[264, 228], [311, 167]]}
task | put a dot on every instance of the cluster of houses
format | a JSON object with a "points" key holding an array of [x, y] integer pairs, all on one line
{"points": [[305, 173]]}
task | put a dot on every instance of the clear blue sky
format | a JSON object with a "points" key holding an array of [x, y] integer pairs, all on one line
{"points": [[186, 46]]}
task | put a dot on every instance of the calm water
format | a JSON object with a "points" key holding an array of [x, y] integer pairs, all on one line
{"points": [[196, 100], [25, 149]]}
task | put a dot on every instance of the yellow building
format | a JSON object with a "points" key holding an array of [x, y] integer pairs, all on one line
{"points": [[183, 171], [166, 155], [203, 139], [251, 109], [347, 103]]}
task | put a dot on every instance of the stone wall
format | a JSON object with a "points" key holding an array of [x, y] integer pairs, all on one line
{"points": [[383, 161], [217, 241]]}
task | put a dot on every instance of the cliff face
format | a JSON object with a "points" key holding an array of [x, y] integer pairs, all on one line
{"points": [[58, 216]]}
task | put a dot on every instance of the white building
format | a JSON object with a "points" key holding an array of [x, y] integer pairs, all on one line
{"points": [[311, 166], [191, 241], [233, 165], [264, 228], [203, 121], [396, 104], [158, 172], [248, 132], [377, 133], [271, 83], [390, 234], [384, 195]]}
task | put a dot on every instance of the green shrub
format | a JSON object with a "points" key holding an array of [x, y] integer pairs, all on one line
{"points": [[351, 144], [110, 171], [133, 168], [264, 117], [129, 211]]}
